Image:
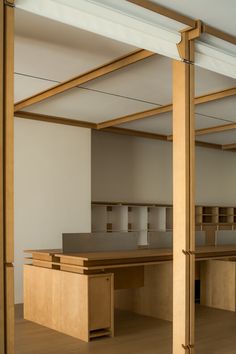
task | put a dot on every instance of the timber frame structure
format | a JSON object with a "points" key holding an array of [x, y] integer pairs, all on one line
{"points": [[183, 160], [6, 178]]}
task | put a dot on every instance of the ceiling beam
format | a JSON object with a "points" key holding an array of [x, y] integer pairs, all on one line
{"points": [[208, 145], [135, 116], [136, 133], [116, 130], [216, 129], [213, 96], [210, 130], [229, 147], [177, 16], [55, 120], [100, 71], [142, 134]]}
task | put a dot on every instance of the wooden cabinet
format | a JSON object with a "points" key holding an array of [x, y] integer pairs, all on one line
{"points": [[75, 304]]}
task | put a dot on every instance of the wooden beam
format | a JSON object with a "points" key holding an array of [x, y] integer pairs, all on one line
{"points": [[6, 177], [219, 34], [116, 130], [135, 116], [208, 145], [9, 174], [55, 120], [9, 132], [229, 147], [211, 130], [93, 74], [137, 133], [184, 206], [2, 243], [213, 96], [217, 129]]}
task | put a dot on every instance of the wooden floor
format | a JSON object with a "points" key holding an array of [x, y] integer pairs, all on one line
{"points": [[215, 334]]}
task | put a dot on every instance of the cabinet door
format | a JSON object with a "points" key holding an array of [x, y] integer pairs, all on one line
{"points": [[100, 302]]}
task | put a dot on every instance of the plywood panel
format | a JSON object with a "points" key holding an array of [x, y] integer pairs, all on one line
{"points": [[155, 298], [218, 284], [70, 303], [100, 298], [57, 299], [127, 278]]}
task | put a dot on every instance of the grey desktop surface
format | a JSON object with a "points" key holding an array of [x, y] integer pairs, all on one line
{"points": [[99, 242]]}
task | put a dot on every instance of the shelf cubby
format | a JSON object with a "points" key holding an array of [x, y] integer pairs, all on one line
{"points": [[142, 218], [157, 218], [169, 218]]}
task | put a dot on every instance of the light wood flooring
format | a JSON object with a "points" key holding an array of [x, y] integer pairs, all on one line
{"points": [[215, 334]]}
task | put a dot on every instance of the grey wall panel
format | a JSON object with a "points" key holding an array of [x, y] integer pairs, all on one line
{"points": [[200, 237], [164, 239], [160, 239], [100, 241], [225, 237]]}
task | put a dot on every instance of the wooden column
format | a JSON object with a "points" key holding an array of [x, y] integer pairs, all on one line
{"points": [[2, 306], [6, 177], [184, 202]]}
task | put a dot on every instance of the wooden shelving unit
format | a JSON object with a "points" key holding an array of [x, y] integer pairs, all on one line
{"points": [[142, 218]]}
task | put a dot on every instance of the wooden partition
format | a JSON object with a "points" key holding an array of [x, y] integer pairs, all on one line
{"points": [[6, 177]]}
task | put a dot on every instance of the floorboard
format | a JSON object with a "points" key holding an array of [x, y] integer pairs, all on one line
{"points": [[215, 334]]}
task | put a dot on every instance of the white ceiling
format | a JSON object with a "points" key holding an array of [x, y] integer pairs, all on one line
{"points": [[47, 30], [228, 137], [216, 13], [162, 124], [52, 52]]}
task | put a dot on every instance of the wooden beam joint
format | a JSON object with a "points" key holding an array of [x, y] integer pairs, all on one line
{"points": [[188, 35], [9, 3], [188, 346], [229, 147], [189, 253]]}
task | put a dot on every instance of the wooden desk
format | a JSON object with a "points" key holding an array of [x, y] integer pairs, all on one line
{"points": [[73, 293]]}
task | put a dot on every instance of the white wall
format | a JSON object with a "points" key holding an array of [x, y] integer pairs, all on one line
{"points": [[140, 170], [52, 187]]}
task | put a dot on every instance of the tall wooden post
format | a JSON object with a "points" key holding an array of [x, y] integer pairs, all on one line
{"points": [[6, 177], [184, 197]]}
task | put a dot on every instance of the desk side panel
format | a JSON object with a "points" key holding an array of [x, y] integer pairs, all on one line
{"points": [[56, 299], [218, 286]]}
